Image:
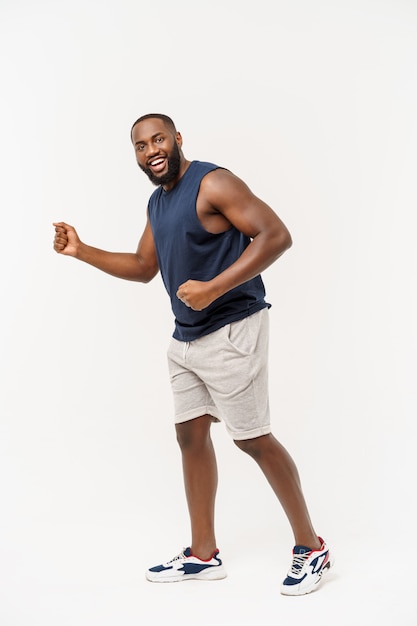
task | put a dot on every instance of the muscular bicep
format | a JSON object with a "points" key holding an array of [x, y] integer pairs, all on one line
{"points": [[146, 252], [232, 198]]}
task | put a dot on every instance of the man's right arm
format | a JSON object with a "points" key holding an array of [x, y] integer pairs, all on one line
{"points": [[140, 266]]}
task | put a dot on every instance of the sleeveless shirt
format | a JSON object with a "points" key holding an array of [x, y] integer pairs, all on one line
{"points": [[186, 250]]}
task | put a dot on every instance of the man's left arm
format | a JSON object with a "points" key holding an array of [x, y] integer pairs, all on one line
{"points": [[231, 197]]}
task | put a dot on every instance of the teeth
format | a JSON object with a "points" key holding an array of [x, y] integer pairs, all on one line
{"points": [[157, 162]]}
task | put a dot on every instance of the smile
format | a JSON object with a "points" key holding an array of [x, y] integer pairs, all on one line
{"points": [[157, 164]]}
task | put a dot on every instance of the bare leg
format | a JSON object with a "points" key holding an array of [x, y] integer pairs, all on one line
{"points": [[200, 481], [282, 475]]}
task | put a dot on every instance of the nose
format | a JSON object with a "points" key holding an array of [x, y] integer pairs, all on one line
{"points": [[151, 150]]}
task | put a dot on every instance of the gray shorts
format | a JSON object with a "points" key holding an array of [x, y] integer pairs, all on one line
{"points": [[225, 375]]}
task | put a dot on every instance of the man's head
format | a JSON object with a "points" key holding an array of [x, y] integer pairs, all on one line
{"points": [[158, 148]]}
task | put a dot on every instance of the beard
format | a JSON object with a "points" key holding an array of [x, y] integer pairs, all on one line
{"points": [[171, 175]]}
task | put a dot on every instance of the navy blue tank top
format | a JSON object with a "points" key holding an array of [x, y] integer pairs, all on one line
{"points": [[186, 250]]}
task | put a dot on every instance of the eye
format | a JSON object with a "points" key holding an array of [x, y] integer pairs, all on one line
{"points": [[159, 139], [140, 147]]}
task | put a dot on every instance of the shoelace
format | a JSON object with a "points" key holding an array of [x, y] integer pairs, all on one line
{"points": [[298, 562], [179, 556]]}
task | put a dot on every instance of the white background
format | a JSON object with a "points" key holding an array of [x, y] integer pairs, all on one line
{"points": [[313, 104]]}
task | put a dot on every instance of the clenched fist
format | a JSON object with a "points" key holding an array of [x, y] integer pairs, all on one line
{"points": [[66, 240], [196, 294]]}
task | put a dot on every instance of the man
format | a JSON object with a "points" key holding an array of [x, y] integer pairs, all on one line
{"points": [[211, 238]]}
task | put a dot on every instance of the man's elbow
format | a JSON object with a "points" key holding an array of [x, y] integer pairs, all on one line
{"points": [[283, 242], [147, 275], [145, 270], [288, 241]]}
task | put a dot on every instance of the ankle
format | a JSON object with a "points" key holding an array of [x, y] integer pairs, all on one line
{"points": [[311, 541], [203, 553]]}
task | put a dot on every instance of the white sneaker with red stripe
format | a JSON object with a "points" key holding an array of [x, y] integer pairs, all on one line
{"points": [[186, 566], [307, 569]]}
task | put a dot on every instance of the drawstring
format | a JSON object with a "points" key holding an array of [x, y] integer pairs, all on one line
{"points": [[185, 349]]}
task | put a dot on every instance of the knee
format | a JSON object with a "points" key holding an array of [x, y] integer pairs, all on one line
{"points": [[193, 435], [185, 438], [252, 447]]}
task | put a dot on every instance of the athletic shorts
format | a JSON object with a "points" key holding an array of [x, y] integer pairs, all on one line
{"points": [[225, 374]]}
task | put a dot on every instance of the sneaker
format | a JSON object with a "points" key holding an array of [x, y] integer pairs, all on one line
{"points": [[306, 570], [186, 566]]}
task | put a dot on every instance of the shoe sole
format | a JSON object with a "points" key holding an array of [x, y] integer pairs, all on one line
{"points": [[215, 573]]}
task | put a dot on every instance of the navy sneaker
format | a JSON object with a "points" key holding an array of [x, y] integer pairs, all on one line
{"points": [[307, 569], [186, 566]]}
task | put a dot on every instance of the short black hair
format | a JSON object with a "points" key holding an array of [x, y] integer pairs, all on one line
{"points": [[165, 118]]}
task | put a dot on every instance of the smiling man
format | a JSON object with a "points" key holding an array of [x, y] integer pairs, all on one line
{"points": [[160, 169], [211, 237]]}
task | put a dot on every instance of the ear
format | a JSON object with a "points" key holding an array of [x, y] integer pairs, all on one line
{"points": [[178, 138]]}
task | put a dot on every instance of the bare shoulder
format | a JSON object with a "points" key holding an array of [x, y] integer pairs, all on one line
{"points": [[221, 177], [221, 186]]}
